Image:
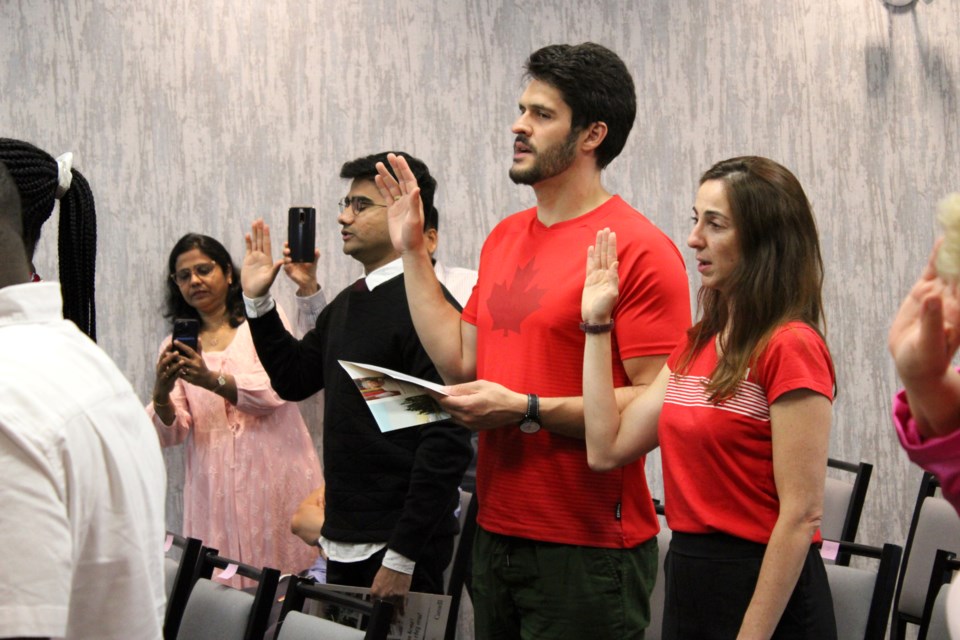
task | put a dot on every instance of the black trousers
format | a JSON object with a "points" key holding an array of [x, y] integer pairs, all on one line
{"points": [[427, 574], [710, 580]]}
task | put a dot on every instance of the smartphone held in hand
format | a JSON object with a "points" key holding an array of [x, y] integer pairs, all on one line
{"points": [[301, 230], [187, 331]]}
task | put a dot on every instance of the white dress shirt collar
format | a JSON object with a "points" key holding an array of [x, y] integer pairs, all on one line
{"points": [[380, 275]]}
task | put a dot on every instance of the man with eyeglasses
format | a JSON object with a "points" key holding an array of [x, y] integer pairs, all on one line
{"points": [[310, 301], [389, 497], [310, 297]]}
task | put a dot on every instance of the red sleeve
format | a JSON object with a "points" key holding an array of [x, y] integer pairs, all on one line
{"points": [[653, 312], [796, 358]]}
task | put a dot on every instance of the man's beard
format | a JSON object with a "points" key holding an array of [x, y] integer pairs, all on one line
{"points": [[546, 163]]}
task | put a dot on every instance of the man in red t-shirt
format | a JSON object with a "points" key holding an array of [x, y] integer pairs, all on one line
{"points": [[561, 551]]}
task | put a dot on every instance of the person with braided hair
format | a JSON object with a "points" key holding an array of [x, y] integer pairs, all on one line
{"points": [[41, 180], [83, 477]]}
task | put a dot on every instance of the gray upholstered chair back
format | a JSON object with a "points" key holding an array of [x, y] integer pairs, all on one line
{"points": [[843, 499], [215, 612], [852, 591], [300, 626], [937, 628], [836, 500], [170, 568], [862, 598], [938, 527]]}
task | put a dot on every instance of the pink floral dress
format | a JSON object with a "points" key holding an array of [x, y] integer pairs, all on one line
{"points": [[248, 466]]}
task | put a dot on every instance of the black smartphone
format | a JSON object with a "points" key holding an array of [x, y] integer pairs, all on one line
{"points": [[301, 232], [187, 331]]}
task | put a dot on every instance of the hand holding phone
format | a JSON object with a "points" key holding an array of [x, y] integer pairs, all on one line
{"points": [[301, 233], [303, 274]]}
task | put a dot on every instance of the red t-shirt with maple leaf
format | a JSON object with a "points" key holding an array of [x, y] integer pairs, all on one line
{"points": [[526, 308]]}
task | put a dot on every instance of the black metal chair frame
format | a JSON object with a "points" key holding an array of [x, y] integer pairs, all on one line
{"points": [[190, 552], [928, 488], [862, 472], [266, 578], [889, 556], [379, 612], [944, 566]]}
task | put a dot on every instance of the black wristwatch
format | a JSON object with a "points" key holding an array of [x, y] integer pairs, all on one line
{"points": [[530, 423]]}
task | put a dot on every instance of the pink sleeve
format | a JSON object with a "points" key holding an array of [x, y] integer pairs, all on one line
{"points": [[940, 456], [254, 393]]}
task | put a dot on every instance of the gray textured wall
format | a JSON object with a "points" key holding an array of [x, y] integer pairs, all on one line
{"points": [[200, 116]]}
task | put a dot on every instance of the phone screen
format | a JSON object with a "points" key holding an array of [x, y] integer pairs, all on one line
{"points": [[301, 231], [187, 331]]}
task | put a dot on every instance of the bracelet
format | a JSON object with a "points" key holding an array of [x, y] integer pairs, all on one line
{"points": [[587, 327], [161, 404]]}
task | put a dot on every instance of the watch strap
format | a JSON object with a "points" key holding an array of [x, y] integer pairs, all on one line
{"points": [[588, 327], [533, 407], [530, 423]]}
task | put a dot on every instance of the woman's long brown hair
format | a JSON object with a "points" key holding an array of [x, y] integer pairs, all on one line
{"points": [[779, 278]]}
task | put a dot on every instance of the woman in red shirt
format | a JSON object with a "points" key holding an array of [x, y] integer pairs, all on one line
{"points": [[741, 412]]}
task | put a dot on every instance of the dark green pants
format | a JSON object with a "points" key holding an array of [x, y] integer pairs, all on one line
{"points": [[524, 589]]}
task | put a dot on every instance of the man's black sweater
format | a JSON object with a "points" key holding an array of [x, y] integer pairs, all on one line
{"points": [[401, 486]]}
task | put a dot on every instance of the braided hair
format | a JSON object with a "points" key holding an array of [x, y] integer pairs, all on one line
{"points": [[36, 175]]}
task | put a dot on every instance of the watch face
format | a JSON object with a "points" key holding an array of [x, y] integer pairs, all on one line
{"points": [[529, 426]]}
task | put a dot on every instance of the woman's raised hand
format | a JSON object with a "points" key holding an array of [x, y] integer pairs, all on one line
{"points": [[601, 286]]}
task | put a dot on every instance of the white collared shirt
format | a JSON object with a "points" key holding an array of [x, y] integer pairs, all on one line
{"points": [[84, 483]]}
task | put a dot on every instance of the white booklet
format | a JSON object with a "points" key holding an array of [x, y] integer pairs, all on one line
{"points": [[424, 614], [397, 400]]}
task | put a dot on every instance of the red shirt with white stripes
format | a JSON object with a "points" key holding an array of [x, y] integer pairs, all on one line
{"points": [[718, 458]]}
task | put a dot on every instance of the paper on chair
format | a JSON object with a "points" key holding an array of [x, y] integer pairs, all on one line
{"points": [[424, 614], [397, 400]]}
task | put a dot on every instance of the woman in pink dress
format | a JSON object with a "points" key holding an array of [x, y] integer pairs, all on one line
{"points": [[249, 458]]}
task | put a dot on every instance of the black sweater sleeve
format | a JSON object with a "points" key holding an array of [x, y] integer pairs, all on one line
{"points": [[294, 366], [442, 455]]}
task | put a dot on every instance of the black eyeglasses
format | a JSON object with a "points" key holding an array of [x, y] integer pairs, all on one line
{"points": [[203, 270], [358, 204]]}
